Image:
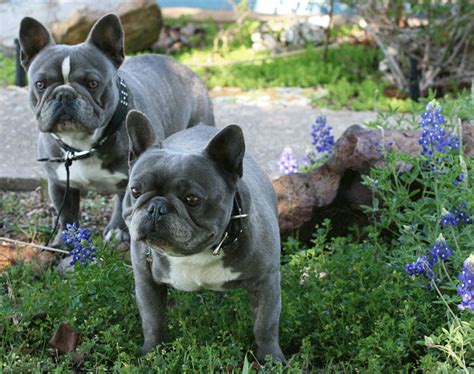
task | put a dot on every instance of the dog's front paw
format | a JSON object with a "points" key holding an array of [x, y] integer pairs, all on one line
{"points": [[272, 350], [64, 266], [147, 348], [116, 233]]}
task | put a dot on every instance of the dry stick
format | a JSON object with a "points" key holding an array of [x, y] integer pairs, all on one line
{"points": [[33, 245], [328, 30], [397, 72], [440, 65]]}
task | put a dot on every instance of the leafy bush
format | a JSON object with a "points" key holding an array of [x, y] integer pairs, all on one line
{"points": [[7, 69], [304, 70]]}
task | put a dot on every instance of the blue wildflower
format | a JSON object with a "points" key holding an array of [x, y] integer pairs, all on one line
{"points": [[440, 251], [322, 139], [433, 136], [449, 219], [462, 214], [456, 216], [460, 178], [309, 158], [79, 241], [466, 285], [287, 163], [422, 266]]}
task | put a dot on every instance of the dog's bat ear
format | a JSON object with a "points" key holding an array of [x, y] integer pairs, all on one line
{"points": [[33, 38], [140, 134], [107, 35], [227, 149]]}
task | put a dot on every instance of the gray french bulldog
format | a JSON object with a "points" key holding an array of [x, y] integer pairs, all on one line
{"points": [[81, 94], [201, 215]]}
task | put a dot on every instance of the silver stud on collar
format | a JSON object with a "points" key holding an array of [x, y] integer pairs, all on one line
{"points": [[239, 216]]}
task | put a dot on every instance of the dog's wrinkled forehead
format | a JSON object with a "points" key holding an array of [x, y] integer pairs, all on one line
{"points": [[64, 62], [163, 167]]}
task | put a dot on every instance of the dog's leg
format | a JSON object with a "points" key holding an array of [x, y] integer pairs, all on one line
{"points": [[151, 300], [117, 228], [265, 300], [70, 209]]}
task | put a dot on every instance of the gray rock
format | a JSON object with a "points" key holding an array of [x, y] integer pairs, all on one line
{"points": [[141, 22], [311, 33]]}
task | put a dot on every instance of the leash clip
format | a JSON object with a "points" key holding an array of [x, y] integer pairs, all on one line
{"points": [[217, 251]]}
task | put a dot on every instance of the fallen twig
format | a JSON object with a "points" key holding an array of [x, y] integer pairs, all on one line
{"points": [[19, 242]]}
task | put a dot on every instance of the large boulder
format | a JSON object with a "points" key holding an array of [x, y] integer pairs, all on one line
{"points": [[286, 34], [334, 190], [141, 21]]}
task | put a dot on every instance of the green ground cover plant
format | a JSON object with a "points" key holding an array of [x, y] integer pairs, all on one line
{"points": [[392, 298], [350, 75], [7, 70]]}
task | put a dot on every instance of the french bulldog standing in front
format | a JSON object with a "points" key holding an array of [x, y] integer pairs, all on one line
{"points": [[81, 94], [201, 215]]}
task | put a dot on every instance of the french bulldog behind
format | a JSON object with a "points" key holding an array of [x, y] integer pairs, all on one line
{"points": [[80, 95], [201, 215]]}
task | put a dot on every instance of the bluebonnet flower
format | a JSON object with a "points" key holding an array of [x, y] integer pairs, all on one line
{"points": [[287, 163], [456, 216], [309, 158], [449, 219], [433, 136], [424, 264], [461, 177], [322, 140], [440, 251], [79, 241], [466, 286]]}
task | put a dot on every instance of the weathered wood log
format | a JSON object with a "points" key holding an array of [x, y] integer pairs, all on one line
{"points": [[334, 190]]}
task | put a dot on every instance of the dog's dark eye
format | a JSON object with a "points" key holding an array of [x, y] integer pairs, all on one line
{"points": [[135, 192], [40, 85], [92, 84], [192, 200]]}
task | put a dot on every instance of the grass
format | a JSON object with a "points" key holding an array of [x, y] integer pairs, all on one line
{"points": [[359, 87], [7, 70], [331, 322]]}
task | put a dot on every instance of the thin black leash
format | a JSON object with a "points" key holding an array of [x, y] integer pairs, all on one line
{"points": [[67, 164], [73, 154]]}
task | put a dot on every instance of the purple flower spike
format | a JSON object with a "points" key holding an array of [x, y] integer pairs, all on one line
{"points": [[440, 251], [456, 216], [322, 139], [287, 163], [79, 241], [466, 284], [422, 266], [433, 136]]}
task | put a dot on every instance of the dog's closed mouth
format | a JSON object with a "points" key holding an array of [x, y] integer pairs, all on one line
{"points": [[164, 248], [66, 124]]}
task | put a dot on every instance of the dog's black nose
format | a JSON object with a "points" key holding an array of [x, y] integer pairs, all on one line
{"points": [[65, 96], [157, 208]]}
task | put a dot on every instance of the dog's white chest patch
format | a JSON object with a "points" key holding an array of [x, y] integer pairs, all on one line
{"points": [[198, 272], [88, 173]]}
